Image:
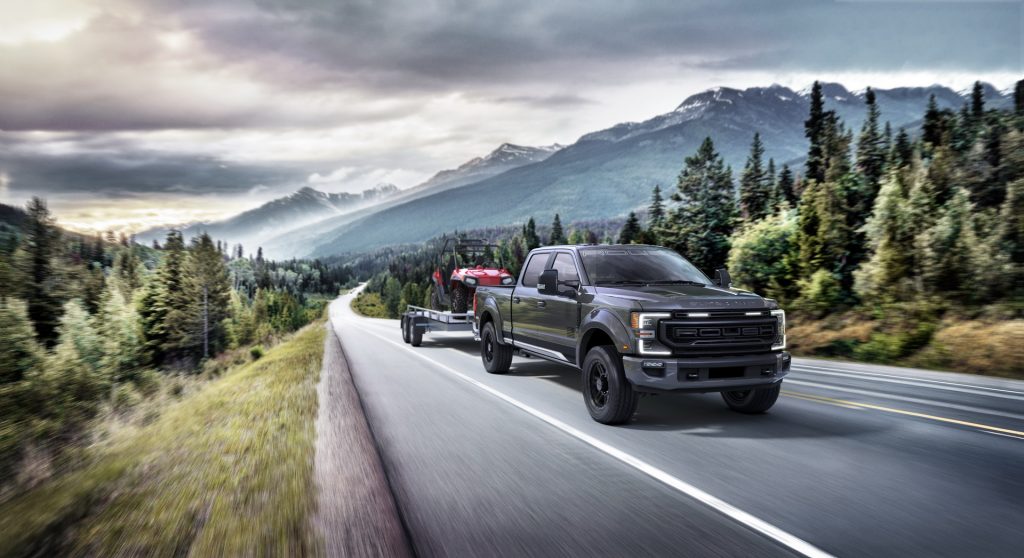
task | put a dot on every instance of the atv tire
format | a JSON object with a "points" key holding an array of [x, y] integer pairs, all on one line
{"points": [[460, 298], [435, 300]]}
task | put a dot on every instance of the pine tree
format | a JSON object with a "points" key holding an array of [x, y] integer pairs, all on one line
{"points": [[530, 235], [890, 236], [977, 101], [631, 230], [700, 226], [949, 247], [41, 245], [871, 152], [755, 188], [1018, 98], [932, 127], [197, 330], [813, 128], [656, 211], [163, 296], [786, 185], [121, 330], [20, 353], [557, 233], [1011, 235], [902, 151], [773, 185]]}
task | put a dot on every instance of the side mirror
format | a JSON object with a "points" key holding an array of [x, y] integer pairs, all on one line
{"points": [[548, 282], [722, 278]]}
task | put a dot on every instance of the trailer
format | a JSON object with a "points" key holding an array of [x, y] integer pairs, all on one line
{"points": [[417, 320]]}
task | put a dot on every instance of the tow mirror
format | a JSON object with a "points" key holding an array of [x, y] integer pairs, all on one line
{"points": [[722, 278], [548, 282]]}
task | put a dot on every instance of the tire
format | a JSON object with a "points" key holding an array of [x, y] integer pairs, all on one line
{"points": [[435, 300], [497, 358], [415, 335], [460, 298], [608, 394], [752, 401], [405, 329]]}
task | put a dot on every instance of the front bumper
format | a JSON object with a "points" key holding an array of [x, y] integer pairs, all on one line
{"points": [[705, 374]]}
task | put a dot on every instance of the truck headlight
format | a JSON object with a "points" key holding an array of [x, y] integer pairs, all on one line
{"points": [[645, 329], [780, 335], [471, 281], [507, 280]]}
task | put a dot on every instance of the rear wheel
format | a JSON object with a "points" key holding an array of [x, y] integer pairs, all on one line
{"points": [[608, 394], [752, 401], [460, 298], [405, 329], [496, 357]]}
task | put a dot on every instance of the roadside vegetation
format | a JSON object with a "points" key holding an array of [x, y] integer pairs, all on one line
{"points": [[98, 327], [213, 468], [890, 246]]}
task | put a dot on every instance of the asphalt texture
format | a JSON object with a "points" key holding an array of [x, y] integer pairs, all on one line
{"points": [[854, 460]]}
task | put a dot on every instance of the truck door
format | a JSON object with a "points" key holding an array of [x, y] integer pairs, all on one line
{"points": [[527, 311], [560, 320]]}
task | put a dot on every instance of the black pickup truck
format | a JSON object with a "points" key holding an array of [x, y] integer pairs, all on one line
{"points": [[636, 319]]}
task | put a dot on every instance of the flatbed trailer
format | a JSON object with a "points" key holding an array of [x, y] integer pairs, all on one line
{"points": [[417, 320]]}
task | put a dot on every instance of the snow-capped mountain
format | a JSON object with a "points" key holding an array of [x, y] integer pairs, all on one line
{"points": [[506, 156]]}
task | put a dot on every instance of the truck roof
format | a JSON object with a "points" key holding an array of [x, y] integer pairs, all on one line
{"points": [[578, 246]]}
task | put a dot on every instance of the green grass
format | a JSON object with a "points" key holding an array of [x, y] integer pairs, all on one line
{"points": [[369, 305], [226, 471]]}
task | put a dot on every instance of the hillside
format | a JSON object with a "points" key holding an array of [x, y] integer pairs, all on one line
{"points": [[304, 207], [606, 173], [300, 240]]}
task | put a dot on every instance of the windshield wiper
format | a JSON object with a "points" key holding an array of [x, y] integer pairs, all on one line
{"points": [[677, 282], [623, 282]]}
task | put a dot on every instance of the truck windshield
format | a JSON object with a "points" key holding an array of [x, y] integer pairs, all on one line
{"points": [[634, 266]]}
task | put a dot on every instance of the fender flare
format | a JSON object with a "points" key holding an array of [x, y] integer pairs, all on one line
{"points": [[494, 314], [608, 323]]}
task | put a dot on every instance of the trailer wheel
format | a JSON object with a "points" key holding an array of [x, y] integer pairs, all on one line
{"points": [[405, 329], [460, 298], [496, 357], [415, 335]]}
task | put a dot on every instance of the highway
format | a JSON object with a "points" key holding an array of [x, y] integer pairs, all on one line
{"points": [[854, 460]]}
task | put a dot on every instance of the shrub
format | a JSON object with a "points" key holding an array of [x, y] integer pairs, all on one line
{"points": [[256, 352], [977, 347], [821, 292]]}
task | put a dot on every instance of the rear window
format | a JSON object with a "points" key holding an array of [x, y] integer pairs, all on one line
{"points": [[534, 269]]}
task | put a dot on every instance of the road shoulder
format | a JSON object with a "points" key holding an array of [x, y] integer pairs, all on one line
{"points": [[356, 512]]}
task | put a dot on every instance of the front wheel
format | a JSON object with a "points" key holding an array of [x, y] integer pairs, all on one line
{"points": [[608, 394], [497, 358], [752, 401]]}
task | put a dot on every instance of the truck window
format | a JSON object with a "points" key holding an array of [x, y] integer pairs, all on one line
{"points": [[534, 268], [566, 267]]}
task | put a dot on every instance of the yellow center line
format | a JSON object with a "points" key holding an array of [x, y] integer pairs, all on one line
{"points": [[856, 404]]}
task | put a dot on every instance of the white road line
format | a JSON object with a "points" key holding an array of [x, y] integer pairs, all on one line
{"points": [[908, 382], [782, 537], [791, 381], [909, 378], [1002, 434]]}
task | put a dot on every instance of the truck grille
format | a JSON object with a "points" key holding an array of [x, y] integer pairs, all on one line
{"points": [[719, 334]]}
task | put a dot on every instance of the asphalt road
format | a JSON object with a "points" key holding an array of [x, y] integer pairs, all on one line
{"points": [[854, 460]]}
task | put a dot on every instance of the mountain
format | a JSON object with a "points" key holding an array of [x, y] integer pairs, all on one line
{"points": [[304, 207], [608, 172], [507, 156]]}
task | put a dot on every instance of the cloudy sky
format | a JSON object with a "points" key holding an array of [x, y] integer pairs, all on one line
{"points": [[131, 113]]}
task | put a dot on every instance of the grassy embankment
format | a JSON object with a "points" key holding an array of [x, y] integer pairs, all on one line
{"points": [[370, 305], [225, 471]]}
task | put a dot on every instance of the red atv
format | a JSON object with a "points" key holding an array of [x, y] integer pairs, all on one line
{"points": [[462, 265]]}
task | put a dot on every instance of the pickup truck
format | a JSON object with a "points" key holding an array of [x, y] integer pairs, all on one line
{"points": [[636, 319]]}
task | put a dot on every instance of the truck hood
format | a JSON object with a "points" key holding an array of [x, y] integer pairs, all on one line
{"points": [[683, 297]]}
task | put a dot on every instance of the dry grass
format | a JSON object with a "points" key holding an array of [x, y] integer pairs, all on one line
{"points": [[225, 471], [978, 348]]}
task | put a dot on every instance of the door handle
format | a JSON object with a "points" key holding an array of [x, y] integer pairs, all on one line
{"points": [[516, 300], [541, 304]]}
